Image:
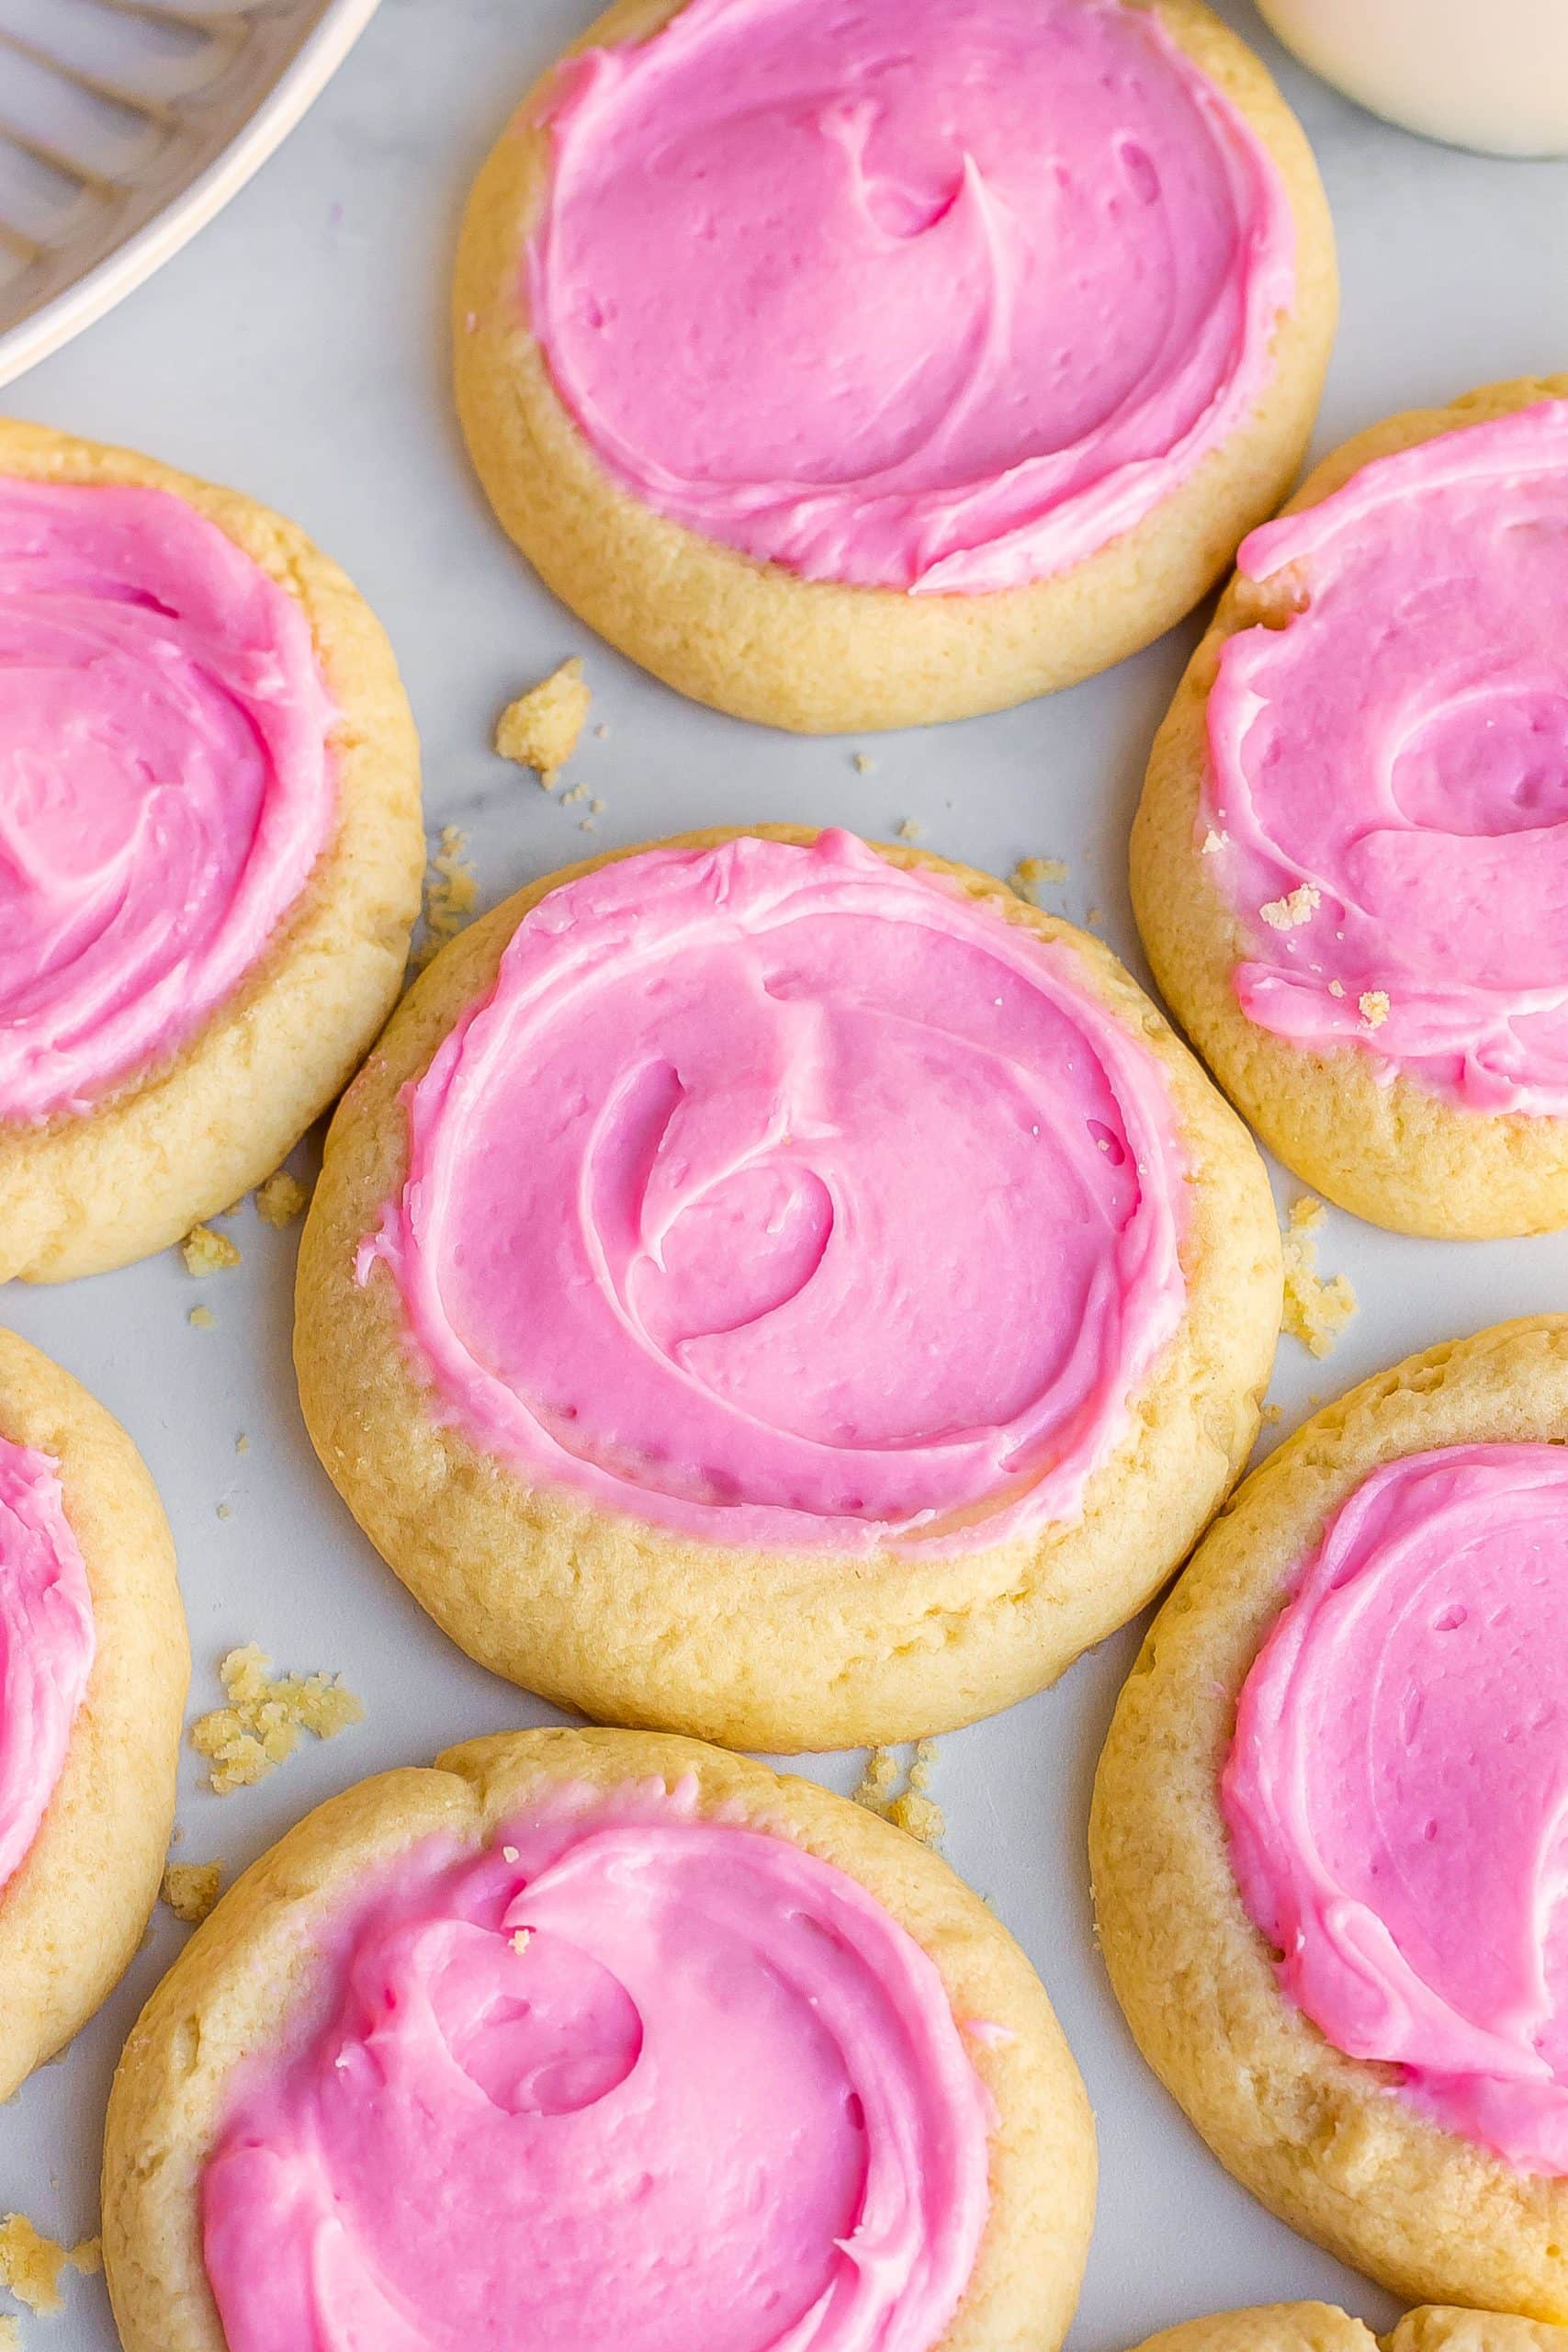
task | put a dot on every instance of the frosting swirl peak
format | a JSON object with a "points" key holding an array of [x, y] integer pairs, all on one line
{"points": [[165, 785], [785, 1197], [938, 295], [1397, 1791]]}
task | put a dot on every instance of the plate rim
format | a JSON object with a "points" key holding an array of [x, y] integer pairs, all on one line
{"points": [[307, 74]]}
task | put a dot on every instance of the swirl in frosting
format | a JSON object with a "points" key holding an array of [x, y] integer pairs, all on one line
{"points": [[164, 781], [1397, 1791], [629, 2077], [46, 1644], [920, 294], [1388, 769], [781, 1197]]}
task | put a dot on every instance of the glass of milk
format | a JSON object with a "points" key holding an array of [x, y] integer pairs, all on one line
{"points": [[1486, 73]]}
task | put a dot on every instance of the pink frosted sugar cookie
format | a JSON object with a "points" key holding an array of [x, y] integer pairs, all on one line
{"points": [[209, 848], [93, 1669], [1328, 1828], [1350, 866], [745, 1257], [594, 2038], [856, 368]]}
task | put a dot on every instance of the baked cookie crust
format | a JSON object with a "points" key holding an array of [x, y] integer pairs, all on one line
{"points": [[1323, 2327], [73, 1914], [816, 656], [1313, 2135], [1396, 1154], [186, 1138], [243, 1970], [631, 1622]]}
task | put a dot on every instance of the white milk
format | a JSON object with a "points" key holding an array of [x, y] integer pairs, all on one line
{"points": [[1485, 73]]}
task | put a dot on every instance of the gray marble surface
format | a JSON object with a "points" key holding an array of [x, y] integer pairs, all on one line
{"points": [[296, 350]]}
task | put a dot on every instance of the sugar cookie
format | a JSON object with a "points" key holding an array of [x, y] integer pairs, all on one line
{"points": [[95, 1664], [856, 369], [1323, 2327], [1325, 1823], [617, 2036], [209, 848], [1350, 864], [784, 1291]]}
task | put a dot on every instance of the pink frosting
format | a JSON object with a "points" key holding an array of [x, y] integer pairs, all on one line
{"points": [[925, 294], [46, 1644], [1397, 1793], [1400, 748], [629, 2078], [781, 1197], [164, 781]]}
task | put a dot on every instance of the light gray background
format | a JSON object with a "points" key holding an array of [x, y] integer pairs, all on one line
{"points": [[297, 350]]}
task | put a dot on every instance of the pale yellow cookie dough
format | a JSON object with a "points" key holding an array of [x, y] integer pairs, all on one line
{"points": [[1397, 1154], [182, 1139], [756, 640], [1315, 2135], [74, 1913], [632, 1623], [1323, 2327], [240, 1972]]}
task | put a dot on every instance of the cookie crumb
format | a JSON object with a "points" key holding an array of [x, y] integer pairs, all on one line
{"points": [[509, 1853], [1032, 875], [520, 1938], [1271, 1415], [201, 1318], [1373, 1007], [863, 764], [264, 1718], [543, 728], [208, 1252], [1298, 906], [450, 892], [225, 1511], [1336, 987], [912, 830], [190, 1890], [1213, 843], [1095, 914], [30, 2263], [241, 1443], [10, 2334], [877, 1780], [600, 733], [1316, 1311], [920, 1816], [281, 1199], [909, 1808]]}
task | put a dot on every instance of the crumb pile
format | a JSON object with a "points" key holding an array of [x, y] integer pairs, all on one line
{"points": [[265, 1718], [911, 1808], [542, 728], [450, 892], [1031, 876], [1316, 1311], [190, 1890], [208, 1252], [1297, 906], [281, 1199], [30, 2263]]}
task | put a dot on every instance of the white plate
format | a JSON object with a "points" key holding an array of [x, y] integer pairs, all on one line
{"points": [[124, 126], [298, 349]]}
